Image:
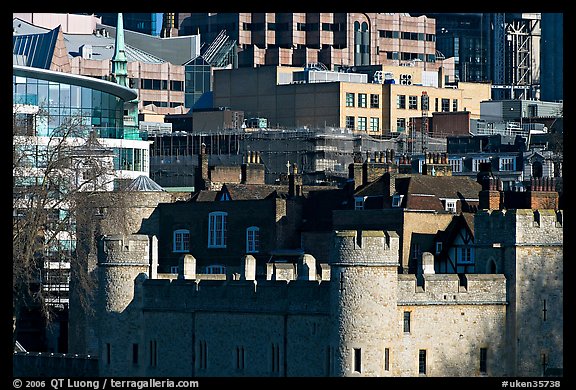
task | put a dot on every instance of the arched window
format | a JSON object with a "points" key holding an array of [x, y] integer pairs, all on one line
{"points": [[217, 229], [253, 239], [181, 240]]}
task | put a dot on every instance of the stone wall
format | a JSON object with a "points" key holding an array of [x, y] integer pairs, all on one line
{"points": [[124, 212], [527, 246], [351, 325], [53, 365]]}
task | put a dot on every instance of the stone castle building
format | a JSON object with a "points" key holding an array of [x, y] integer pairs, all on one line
{"points": [[354, 315]]}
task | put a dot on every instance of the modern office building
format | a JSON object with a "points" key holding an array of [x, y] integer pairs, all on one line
{"points": [[349, 39], [552, 57], [144, 22], [159, 81], [87, 118], [296, 97], [503, 48]]}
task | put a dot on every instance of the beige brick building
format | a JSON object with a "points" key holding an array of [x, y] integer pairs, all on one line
{"points": [[280, 95]]}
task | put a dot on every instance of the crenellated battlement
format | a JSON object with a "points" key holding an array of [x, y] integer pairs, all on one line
{"points": [[267, 296], [368, 247], [119, 249], [446, 289], [519, 226]]}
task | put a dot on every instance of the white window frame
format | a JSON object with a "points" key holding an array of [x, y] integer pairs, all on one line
{"points": [[374, 124], [350, 99], [253, 239], [450, 205], [505, 161], [362, 100], [217, 222], [455, 164], [477, 161], [362, 120], [179, 243]]}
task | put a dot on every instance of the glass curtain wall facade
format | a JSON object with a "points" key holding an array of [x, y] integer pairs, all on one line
{"points": [[96, 110], [198, 80], [143, 22]]}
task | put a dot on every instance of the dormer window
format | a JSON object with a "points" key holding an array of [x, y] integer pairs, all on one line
{"points": [[450, 205], [225, 196], [397, 200]]}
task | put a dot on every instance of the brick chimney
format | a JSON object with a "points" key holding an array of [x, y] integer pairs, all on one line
{"points": [[543, 194], [404, 164], [202, 178], [294, 182], [490, 197], [252, 170], [374, 168], [436, 164]]}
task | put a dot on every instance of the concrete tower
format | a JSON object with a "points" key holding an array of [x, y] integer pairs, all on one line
{"points": [[363, 300]]}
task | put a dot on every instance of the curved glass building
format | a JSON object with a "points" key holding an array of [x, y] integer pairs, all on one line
{"points": [[45, 100]]}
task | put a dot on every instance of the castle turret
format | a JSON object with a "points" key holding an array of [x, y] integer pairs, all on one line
{"points": [[123, 264], [131, 210], [363, 300]]}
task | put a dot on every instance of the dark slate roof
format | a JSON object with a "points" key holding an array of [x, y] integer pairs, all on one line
{"points": [[423, 192], [204, 196], [318, 207], [422, 202], [455, 187], [375, 188], [250, 191], [144, 183]]}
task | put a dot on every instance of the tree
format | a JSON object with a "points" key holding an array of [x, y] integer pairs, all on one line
{"points": [[50, 168]]}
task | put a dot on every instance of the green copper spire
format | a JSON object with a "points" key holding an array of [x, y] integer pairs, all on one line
{"points": [[119, 61]]}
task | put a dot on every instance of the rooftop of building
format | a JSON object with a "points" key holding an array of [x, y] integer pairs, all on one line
{"points": [[143, 183], [448, 187], [125, 93], [29, 35]]}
